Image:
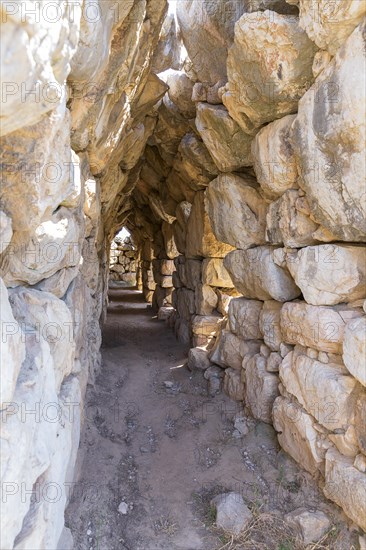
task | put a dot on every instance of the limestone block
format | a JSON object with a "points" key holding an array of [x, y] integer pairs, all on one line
{"points": [[329, 25], [229, 350], [256, 275], [58, 283], [346, 442], [244, 318], [192, 273], [228, 145], [346, 486], [288, 224], [274, 361], [327, 136], [12, 348], [205, 299], [180, 92], [274, 159], [329, 274], [186, 305], [201, 241], [269, 323], [206, 27], [236, 210], [261, 87], [38, 169], [360, 423], [167, 53], [224, 299], [233, 385], [198, 359], [34, 256], [215, 274], [298, 435], [170, 246], [261, 388], [43, 316], [206, 325], [36, 80], [354, 348], [6, 231], [310, 525], [317, 327], [325, 391]]}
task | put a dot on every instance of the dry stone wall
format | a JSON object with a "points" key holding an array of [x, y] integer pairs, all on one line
{"points": [[124, 263], [241, 176]]}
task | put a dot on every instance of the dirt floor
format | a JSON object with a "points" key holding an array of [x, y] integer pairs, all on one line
{"points": [[156, 448]]}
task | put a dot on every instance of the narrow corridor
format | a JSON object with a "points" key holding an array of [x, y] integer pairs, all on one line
{"points": [[154, 446]]}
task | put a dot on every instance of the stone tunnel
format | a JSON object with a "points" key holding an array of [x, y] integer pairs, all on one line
{"points": [[228, 138]]}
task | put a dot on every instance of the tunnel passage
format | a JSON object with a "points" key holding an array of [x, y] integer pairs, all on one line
{"points": [[227, 138]]}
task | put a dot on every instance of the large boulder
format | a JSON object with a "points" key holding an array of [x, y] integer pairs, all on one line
{"points": [[261, 87], [326, 391], [340, 475], [274, 160], [354, 348], [12, 348], [329, 274], [329, 136], [226, 142], [256, 275], [244, 318], [215, 274], [329, 24], [200, 239], [298, 434], [269, 324], [287, 222], [318, 327], [234, 198], [261, 387]]}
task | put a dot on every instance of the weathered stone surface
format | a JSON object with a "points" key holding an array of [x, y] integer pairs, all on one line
{"points": [[287, 223], [43, 70], [331, 124], [256, 275], [232, 514], [206, 325], [274, 160], [346, 442], [201, 242], [233, 385], [261, 388], [226, 142], [325, 391], [269, 323], [38, 171], [234, 198], [185, 303], [310, 525], [215, 274], [329, 274], [198, 359], [12, 348], [229, 350], [329, 25], [298, 435], [318, 327], [180, 92], [354, 348], [244, 318], [224, 298], [168, 50], [47, 318], [206, 27], [346, 486], [205, 299], [6, 231], [58, 283], [55, 244], [264, 88]]}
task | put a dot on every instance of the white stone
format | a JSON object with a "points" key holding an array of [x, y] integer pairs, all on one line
{"points": [[329, 274], [311, 525], [256, 275], [261, 388], [354, 348], [244, 318], [232, 514], [215, 274], [234, 198]]}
